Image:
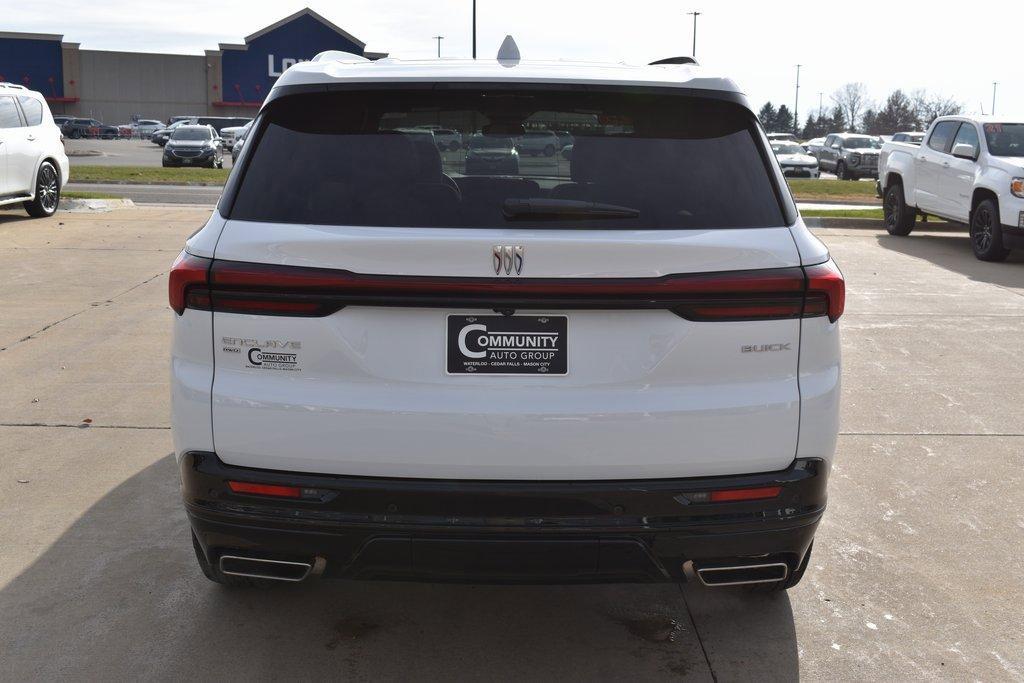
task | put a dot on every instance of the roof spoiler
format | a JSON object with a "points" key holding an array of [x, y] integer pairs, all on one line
{"points": [[676, 60]]}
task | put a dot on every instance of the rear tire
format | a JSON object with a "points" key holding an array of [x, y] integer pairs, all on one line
{"points": [[213, 573], [47, 192], [549, 151], [987, 233], [899, 218], [787, 583], [841, 173]]}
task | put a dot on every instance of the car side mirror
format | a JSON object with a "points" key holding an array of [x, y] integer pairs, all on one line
{"points": [[963, 150]]}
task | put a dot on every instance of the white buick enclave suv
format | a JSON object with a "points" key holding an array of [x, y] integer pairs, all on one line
{"points": [[619, 367]]}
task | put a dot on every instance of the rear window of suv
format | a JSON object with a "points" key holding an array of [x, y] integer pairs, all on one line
{"points": [[639, 160]]}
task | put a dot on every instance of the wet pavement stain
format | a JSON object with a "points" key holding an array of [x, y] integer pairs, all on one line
{"points": [[654, 628], [351, 629]]}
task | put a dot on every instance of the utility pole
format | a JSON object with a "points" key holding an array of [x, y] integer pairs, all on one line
{"points": [[796, 102], [474, 29], [995, 84], [439, 39], [821, 107], [695, 15]]}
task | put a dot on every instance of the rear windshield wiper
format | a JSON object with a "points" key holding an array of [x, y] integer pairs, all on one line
{"points": [[563, 210]]}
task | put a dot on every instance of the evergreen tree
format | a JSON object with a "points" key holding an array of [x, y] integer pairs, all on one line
{"points": [[767, 117], [783, 120], [811, 128], [837, 120], [897, 114], [869, 122]]}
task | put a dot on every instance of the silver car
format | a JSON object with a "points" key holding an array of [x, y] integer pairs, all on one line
{"points": [[850, 156]]}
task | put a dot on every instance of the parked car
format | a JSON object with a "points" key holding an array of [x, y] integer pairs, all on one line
{"points": [[794, 161], [236, 146], [175, 119], [88, 128], [161, 136], [219, 123], [230, 133], [911, 137], [35, 166], [490, 155], [565, 138], [61, 119], [144, 128], [782, 137], [850, 156], [538, 142], [813, 146], [970, 171], [193, 146], [629, 372], [447, 139]]}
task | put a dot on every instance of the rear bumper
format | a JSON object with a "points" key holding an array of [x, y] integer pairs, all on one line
{"points": [[506, 532]]}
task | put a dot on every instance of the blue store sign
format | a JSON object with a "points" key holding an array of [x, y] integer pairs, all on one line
{"points": [[249, 70]]}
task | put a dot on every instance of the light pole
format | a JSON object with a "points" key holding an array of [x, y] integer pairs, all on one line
{"points": [[695, 15], [796, 102], [995, 84], [439, 39], [474, 29], [821, 107]]}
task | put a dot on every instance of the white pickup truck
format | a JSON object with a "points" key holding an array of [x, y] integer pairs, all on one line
{"points": [[969, 170]]}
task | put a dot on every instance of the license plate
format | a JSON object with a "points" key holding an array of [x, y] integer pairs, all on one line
{"points": [[507, 345], [186, 161]]}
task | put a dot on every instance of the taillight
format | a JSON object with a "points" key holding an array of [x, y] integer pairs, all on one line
{"points": [[826, 291], [189, 276], [267, 289], [278, 490], [265, 489], [731, 495]]}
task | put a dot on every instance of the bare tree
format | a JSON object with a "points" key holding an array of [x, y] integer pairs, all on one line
{"points": [[852, 99], [927, 107]]}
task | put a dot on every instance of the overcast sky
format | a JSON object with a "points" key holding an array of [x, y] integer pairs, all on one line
{"points": [[886, 45]]}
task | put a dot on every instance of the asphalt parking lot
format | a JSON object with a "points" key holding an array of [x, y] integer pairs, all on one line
{"points": [[917, 571], [134, 152]]}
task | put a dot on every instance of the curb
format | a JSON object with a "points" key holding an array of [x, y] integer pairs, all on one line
{"points": [[94, 205], [879, 224]]}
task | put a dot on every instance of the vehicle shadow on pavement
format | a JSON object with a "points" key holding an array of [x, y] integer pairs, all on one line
{"points": [[119, 594], [953, 252], [14, 214]]}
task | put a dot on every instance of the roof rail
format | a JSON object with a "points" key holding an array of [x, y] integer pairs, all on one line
{"points": [[676, 60], [13, 85], [338, 56]]}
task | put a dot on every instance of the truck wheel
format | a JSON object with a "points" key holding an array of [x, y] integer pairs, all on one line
{"points": [[47, 192], [841, 171], [987, 233], [899, 218], [787, 583]]}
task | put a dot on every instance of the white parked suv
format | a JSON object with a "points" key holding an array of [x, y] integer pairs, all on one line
{"points": [[623, 369], [969, 170], [33, 165]]}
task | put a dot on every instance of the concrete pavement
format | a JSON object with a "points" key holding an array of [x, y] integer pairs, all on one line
{"points": [[916, 573]]}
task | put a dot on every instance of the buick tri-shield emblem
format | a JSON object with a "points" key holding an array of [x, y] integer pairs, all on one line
{"points": [[507, 259]]}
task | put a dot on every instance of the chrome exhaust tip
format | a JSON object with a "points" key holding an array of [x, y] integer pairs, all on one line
{"points": [[261, 568], [741, 575]]}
